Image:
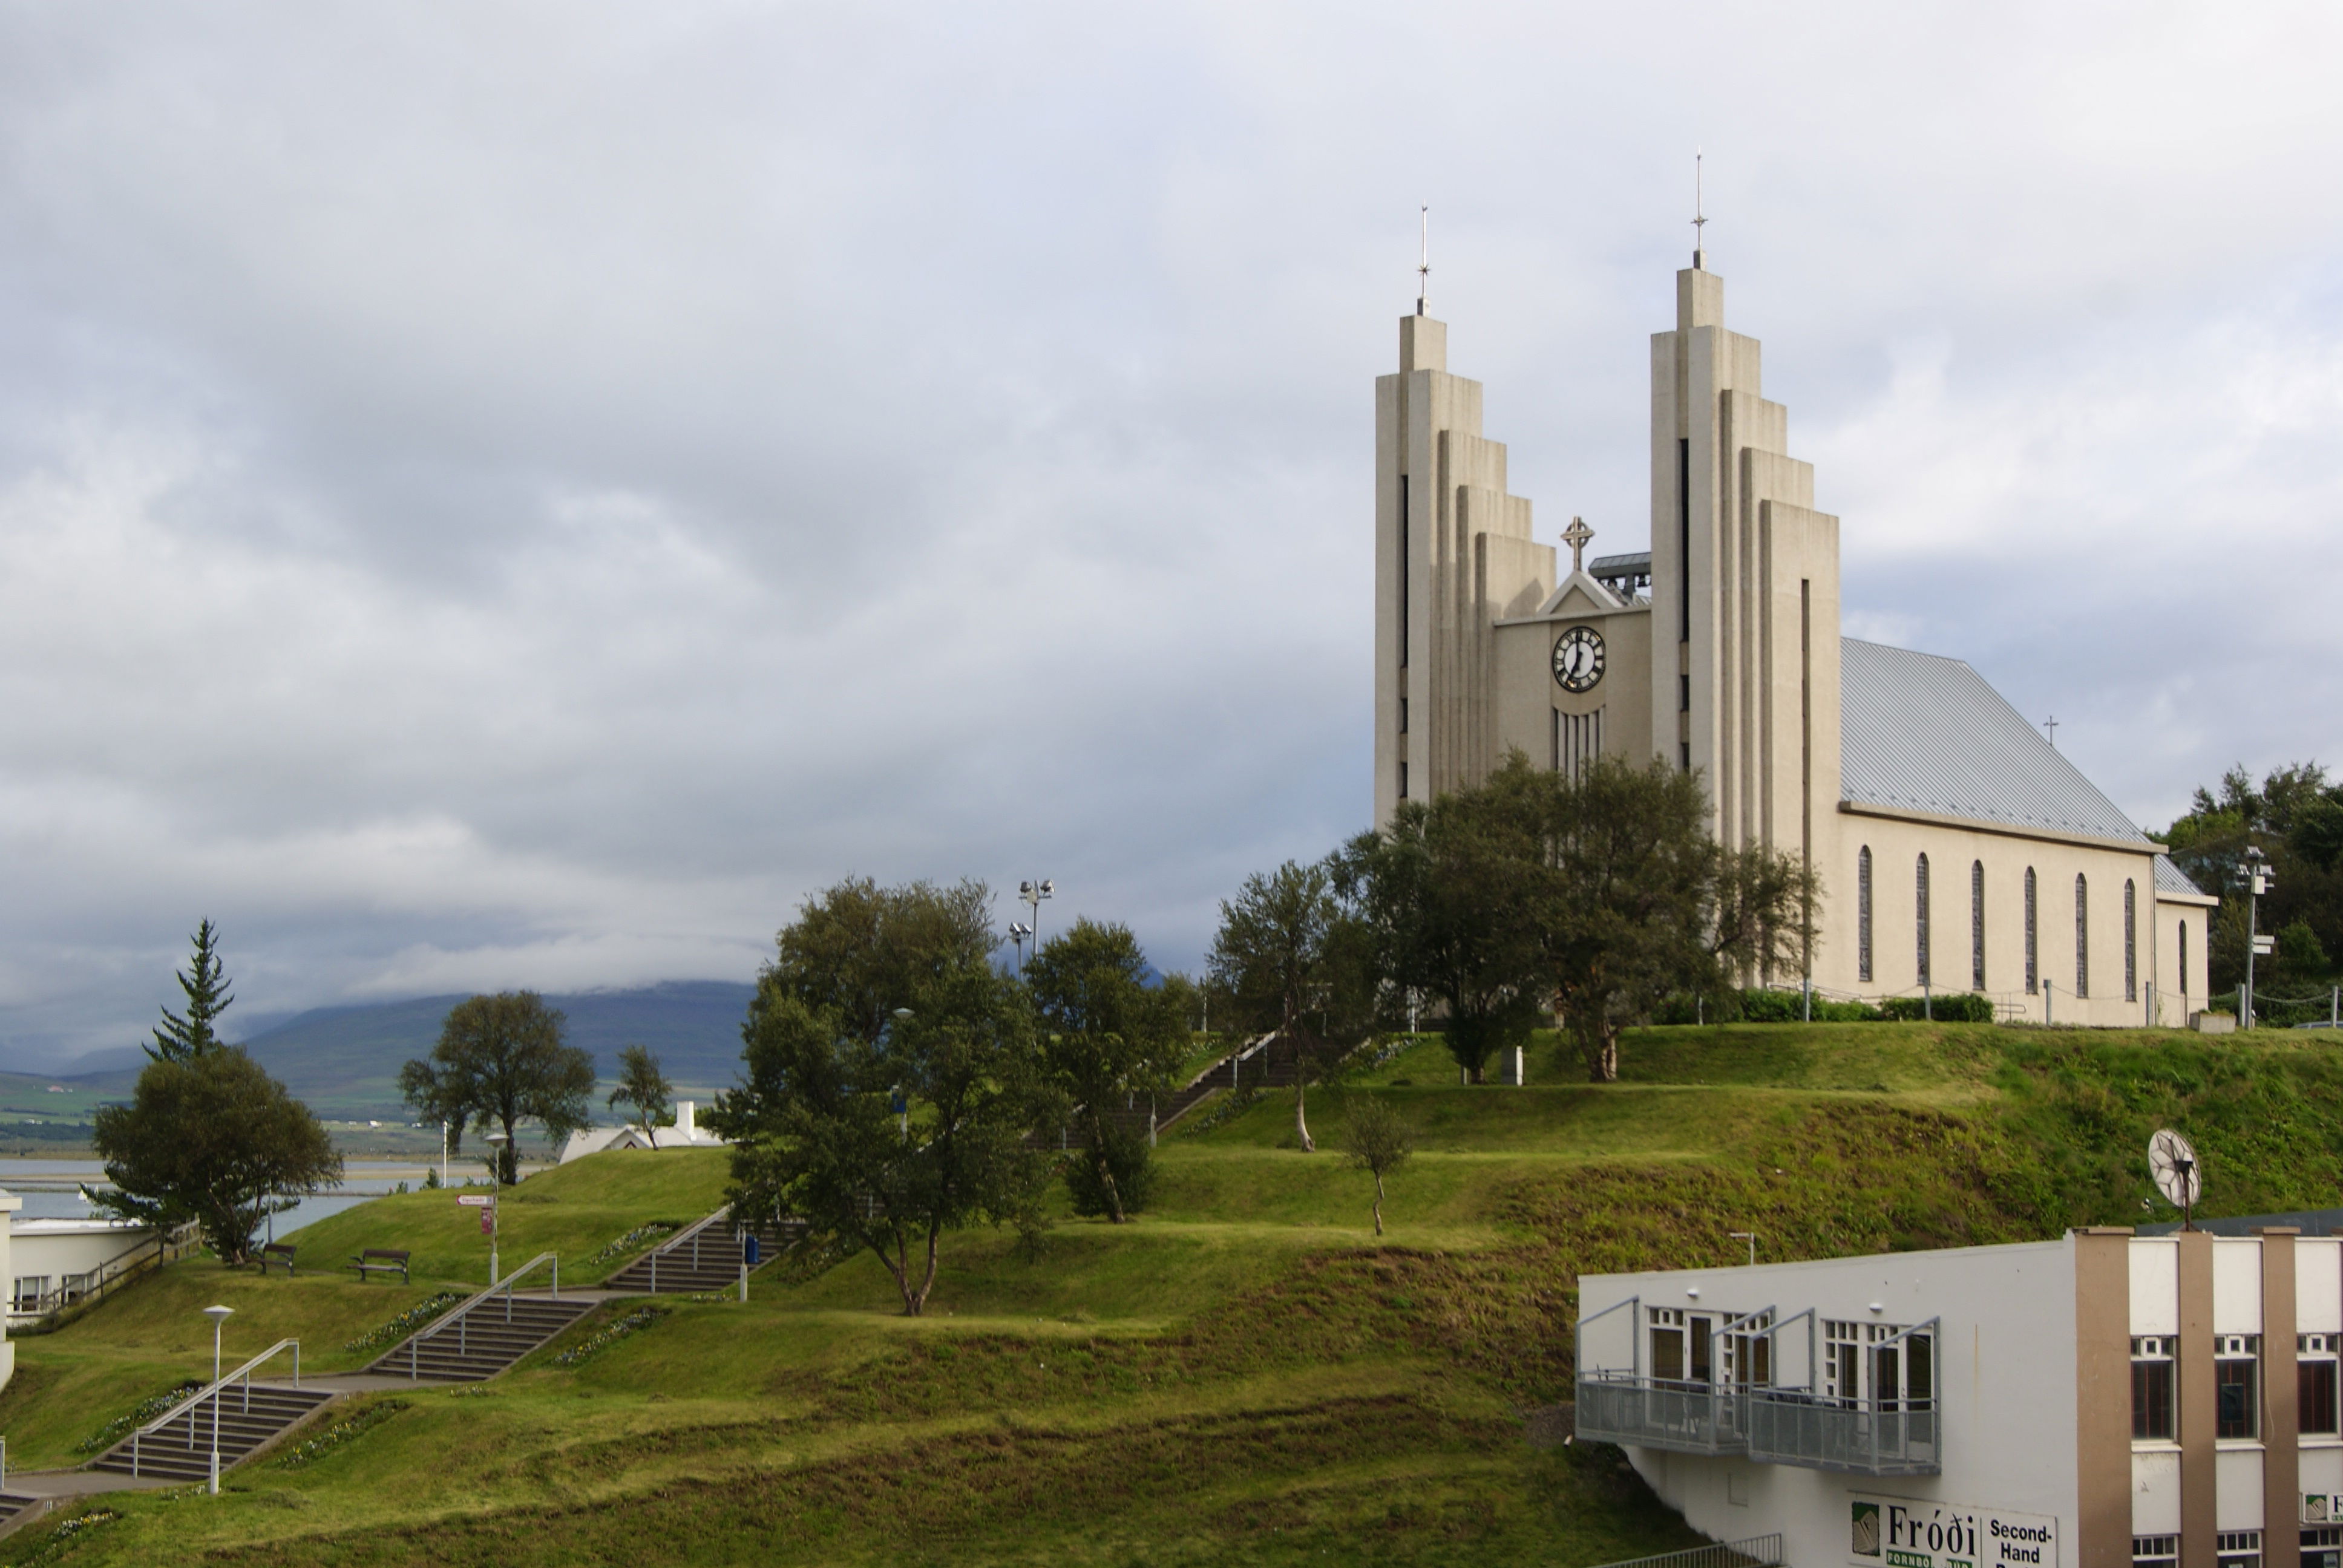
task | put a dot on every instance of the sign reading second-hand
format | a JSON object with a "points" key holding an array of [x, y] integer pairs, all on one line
{"points": [[1910, 1533], [471, 1202]]}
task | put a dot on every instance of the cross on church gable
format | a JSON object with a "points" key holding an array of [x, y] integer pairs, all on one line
{"points": [[1575, 536]]}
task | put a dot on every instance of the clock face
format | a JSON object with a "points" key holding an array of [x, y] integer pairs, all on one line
{"points": [[1578, 659]]}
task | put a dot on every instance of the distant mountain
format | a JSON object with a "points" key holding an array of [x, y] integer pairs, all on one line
{"points": [[344, 1060]]}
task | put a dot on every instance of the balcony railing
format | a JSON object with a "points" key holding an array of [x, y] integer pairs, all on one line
{"points": [[1651, 1412], [1863, 1437]]}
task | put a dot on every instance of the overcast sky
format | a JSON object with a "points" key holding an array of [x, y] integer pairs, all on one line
{"points": [[521, 495]]}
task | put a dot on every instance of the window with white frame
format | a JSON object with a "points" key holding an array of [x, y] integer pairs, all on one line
{"points": [[2316, 1390], [1842, 1360], [2237, 1387], [2322, 1546], [2152, 1419], [2239, 1549], [30, 1290], [2155, 1552]]}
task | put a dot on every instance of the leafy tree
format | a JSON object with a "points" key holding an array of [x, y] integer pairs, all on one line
{"points": [[1441, 889], [1109, 1037], [1632, 899], [1291, 960], [1375, 1140], [2300, 959], [502, 1061], [878, 994], [644, 1086], [210, 1137], [179, 1037], [2295, 816], [860, 948]]}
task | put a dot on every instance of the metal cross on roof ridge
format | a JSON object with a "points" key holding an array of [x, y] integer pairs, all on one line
{"points": [[1575, 536]]}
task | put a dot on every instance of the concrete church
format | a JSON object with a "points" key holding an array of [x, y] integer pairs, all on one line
{"points": [[1957, 848]]}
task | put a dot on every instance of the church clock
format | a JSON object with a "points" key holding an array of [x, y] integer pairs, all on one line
{"points": [[1578, 659]]}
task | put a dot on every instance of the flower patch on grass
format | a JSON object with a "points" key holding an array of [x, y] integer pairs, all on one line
{"points": [[407, 1322], [633, 1323], [340, 1434], [633, 1239], [146, 1410]]}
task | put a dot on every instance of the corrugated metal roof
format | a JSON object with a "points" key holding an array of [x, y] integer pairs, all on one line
{"points": [[1927, 734], [2171, 879]]}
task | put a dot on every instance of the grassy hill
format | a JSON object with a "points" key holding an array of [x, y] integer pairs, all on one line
{"points": [[1244, 1374]]}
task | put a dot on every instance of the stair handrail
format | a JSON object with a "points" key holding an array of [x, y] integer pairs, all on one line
{"points": [[461, 1316], [688, 1233], [243, 1372]]}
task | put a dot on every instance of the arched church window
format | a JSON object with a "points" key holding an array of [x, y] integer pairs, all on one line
{"points": [[2082, 935], [2033, 952], [1976, 924], [2131, 941], [1862, 914], [1920, 890]]}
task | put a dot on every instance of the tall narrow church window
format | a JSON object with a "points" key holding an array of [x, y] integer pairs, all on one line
{"points": [[1862, 914], [2131, 941], [1403, 715], [2184, 969], [1403, 780], [1920, 886], [1577, 741], [1976, 924], [2082, 935], [1684, 536], [1404, 564], [2033, 953]]}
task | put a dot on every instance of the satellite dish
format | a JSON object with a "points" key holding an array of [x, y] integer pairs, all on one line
{"points": [[2173, 1165]]}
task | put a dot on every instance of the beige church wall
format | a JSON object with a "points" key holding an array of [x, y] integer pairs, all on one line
{"points": [[1896, 844], [1528, 695], [2178, 996]]}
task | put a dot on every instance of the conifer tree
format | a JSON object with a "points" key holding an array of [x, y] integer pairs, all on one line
{"points": [[184, 1037]]}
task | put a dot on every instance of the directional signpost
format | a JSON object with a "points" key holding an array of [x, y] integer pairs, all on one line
{"points": [[487, 1205]]}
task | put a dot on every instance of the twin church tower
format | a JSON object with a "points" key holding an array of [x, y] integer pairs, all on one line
{"points": [[1958, 850], [1701, 650]]}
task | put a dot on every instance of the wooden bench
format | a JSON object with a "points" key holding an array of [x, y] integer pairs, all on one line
{"points": [[380, 1259], [278, 1253]]}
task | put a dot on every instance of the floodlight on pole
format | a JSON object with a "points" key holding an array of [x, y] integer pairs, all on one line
{"points": [[1032, 893], [219, 1316], [2254, 876], [1017, 932]]}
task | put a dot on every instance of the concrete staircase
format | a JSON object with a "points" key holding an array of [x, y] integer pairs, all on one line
{"points": [[702, 1259], [181, 1449], [12, 1505], [481, 1339], [1257, 1064]]}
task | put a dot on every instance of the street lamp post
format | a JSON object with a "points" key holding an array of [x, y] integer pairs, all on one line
{"points": [[497, 1142], [219, 1316], [902, 1095], [2254, 873]]}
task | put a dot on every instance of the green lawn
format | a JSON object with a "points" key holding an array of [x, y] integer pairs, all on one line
{"points": [[1243, 1374]]}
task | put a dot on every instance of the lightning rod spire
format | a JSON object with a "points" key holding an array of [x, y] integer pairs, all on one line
{"points": [[1424, 269], [1699, 220]]}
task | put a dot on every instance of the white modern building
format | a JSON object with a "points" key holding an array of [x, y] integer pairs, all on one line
{"points": [[687, 1133], [2105, 1400], [53, 1264]]}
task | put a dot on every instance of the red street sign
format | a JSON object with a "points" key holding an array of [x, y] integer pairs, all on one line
{"points": [[471, 1202], [488, 1222]]}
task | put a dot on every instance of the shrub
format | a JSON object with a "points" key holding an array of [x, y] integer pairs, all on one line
{"points": [[1961, 1006], [1126, 1159]]}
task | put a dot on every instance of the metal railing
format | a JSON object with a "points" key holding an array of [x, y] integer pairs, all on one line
{"points": [[460, 1318], [1862, 1436], [1654, 1413], [1756, 1551], [187, 1406], [690, 1233]]}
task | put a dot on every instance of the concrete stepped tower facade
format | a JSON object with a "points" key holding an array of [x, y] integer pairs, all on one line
{"points": [[1958, 850]]}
